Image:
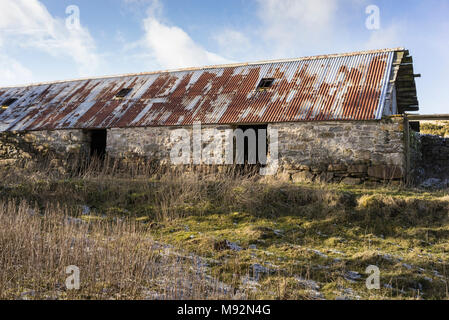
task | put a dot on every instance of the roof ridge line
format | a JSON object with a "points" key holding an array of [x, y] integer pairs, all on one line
{"points": [[231, 65]]}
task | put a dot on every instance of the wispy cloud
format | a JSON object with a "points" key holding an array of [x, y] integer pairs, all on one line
{"points": [[12, 71], [28, 24], [388, 37], [290, 28], [295, 23], [169, 45], [234, 43]]}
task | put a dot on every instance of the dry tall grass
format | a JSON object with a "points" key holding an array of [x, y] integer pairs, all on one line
{"points": [[116, 259], [141, 189], [41, 233]]}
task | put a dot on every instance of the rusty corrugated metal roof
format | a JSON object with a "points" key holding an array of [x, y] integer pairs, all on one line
{"points": [[335, 87]]}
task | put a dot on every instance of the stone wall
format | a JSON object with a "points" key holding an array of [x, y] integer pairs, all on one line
{"points": [[155, 143], [334, 151], [435, 156], [62, 144], [348, 152], [415, 173], [131, 143]]}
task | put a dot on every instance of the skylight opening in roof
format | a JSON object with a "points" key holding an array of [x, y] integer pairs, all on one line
{"points": [[265, 84], [8, 102], [123, 93]]}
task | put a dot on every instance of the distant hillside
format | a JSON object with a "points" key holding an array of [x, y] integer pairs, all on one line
{"points": [[438, 128]]}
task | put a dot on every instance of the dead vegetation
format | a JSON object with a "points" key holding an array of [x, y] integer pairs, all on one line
{"points": [[117, 259], [227, 234], [437, 128]]}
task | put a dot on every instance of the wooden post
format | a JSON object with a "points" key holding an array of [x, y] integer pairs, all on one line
{"points": [[407, 150], [429, 117]]}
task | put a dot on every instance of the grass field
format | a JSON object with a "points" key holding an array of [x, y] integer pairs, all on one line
{"points": [[437, 128], [136, 234]]}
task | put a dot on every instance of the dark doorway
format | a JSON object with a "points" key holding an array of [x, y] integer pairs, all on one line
{"points": [[255, 150], [98, 143]]}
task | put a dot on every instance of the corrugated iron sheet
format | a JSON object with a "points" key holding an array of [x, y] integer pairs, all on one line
{"points": [[338, 87]]}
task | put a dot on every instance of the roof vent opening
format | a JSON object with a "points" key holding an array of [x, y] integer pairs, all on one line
{"points": [[265, 84], [8, 102], [123, 93]]}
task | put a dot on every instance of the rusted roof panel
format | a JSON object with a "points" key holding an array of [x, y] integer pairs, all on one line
{"points": [[336, 87]]}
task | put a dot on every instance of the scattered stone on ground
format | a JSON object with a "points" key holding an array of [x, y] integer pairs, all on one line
{"points": [[226, 245], [319, 253], [352, 276], [85, 209]]}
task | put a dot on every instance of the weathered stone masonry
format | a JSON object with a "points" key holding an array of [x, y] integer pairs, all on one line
{"points": [[349, 152], [434, 157], [335, 151], [352, 152], [152, 143], [61, 144]]}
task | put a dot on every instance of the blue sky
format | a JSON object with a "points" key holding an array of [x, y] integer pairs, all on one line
{"points": [[128, 36]]}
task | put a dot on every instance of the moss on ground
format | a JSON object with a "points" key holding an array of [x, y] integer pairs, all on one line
{"points": [[292, 247], [285, 241]]}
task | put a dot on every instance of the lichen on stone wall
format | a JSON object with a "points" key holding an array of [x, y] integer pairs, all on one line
{"points": [[352, 152], [348, 152], [337, 151], [155, 143], [57, 144]]}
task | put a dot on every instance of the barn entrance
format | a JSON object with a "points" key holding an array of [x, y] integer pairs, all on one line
{"points": [[98, 143], [255, 145]]}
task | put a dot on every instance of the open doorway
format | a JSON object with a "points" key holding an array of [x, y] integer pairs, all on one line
{"points": [[98, 143], [255, 145]]}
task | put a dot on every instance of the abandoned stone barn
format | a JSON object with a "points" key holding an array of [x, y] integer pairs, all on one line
{"points": [[339, 118]]}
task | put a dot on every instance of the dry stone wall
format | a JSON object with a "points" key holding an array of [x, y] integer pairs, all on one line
{"points": [[61, 144], [334, 151], [435, 157], [132, 143], [154, 143], [348, 152]]}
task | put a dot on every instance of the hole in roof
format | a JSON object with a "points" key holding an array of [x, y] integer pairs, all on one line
{"points": [[265, 83], [8, 102], [123, 93]]}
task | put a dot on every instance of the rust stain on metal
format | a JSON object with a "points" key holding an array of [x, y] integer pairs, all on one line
{"points": [[340, 87]]}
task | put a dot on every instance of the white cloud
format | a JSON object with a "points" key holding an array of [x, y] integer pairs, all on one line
{"points": [[170, 46], [386, 37], [233, 43], [293, 24], [292, 28], [284, 16], [28, 24], [24, 16], [13, 72]]}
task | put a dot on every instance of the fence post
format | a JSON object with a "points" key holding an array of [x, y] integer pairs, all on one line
{"points": [[407, 149]]}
